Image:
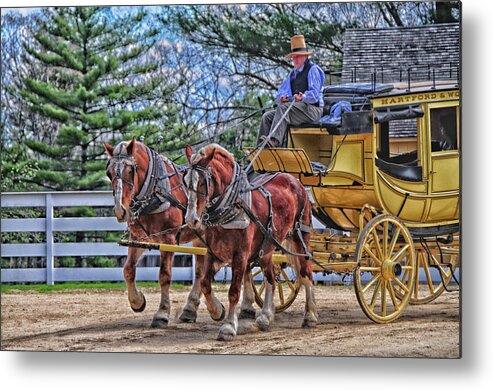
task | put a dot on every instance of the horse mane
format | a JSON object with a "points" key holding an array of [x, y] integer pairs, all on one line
{"points": [[120, 147], [207, 150]]}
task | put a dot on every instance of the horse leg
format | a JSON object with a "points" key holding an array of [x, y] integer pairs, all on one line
{"points": [[189, 313], [266, 316], [247, 310], [135, 297], [302, 244], [311, 317], [228, 330], [215, 308], [161, 317], [304, 270]]}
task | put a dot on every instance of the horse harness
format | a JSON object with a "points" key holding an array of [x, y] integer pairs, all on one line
{"points": [[222, 210], [233, 202], [155, 195]]}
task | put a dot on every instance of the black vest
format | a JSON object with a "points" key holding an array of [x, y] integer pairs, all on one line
{"points": [[300, 83]]}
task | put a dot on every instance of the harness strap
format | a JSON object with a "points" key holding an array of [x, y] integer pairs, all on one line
{"points": [[155, 192], [179, 178], [174, 202], [149, 175], [268, 234], [222, 209]]}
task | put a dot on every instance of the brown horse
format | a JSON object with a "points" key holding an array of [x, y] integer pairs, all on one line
{"points": [[149, 195], [279, 210]]}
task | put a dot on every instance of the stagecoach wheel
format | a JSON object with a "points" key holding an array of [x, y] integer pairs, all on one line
{"points": [[386, 263], [287, 286], [428, 284]]}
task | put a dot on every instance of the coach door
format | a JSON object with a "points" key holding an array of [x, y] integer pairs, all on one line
{"points": [[443, 123]]}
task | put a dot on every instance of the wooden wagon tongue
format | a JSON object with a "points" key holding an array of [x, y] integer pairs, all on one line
{"points": [[164, 247]]}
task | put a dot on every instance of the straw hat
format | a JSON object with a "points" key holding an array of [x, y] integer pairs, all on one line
{"points": [[298, 47]]}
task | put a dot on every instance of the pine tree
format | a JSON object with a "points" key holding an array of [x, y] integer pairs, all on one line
{"points": [[102, 83]]}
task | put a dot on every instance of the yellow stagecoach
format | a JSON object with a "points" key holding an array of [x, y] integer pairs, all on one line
{"points": [[384, 180]]}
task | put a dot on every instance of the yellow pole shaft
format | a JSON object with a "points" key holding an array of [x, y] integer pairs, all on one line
{"points": [[183, 249], [165, 247]]}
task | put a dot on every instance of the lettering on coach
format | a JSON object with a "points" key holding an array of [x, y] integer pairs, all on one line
{"points": [[416, 98]]}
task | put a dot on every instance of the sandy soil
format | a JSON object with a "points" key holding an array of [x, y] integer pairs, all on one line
{"points": [[101, 320]]}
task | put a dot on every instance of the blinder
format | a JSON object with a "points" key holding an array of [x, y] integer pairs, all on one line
{"points": [[206, 173], [120, 161]]}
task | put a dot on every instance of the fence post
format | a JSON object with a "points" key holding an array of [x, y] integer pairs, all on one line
{"points": [[49, 240]]}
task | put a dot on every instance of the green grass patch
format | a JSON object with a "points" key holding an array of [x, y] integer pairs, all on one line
{"points": [[67, 286]]}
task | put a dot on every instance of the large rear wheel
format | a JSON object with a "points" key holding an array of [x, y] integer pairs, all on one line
{"points": [[434, 273], [386, 261]]}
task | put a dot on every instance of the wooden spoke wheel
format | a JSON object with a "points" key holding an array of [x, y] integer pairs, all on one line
{"points": [[287, 286], [433, 275], [386, 263]]}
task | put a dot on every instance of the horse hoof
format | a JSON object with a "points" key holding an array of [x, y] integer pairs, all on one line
{"points": [[142, 307], [263, 322], [224, 337], [159, 323], [247, 314], [188, 316], [309, 323], [223, 314], [226, 333]]}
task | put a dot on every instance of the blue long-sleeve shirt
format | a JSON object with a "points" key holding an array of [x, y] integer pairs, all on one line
{"points": [[316, 79]]}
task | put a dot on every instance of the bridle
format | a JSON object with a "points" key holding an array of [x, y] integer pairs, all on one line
{"points": [[206, 172], [223, 208], [121, 160], [155, 194]]}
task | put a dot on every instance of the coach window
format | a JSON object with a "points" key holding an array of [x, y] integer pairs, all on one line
{"points": [[399, 142], [443, 122], [397, 135]]}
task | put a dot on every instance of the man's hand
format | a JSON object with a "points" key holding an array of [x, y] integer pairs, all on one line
{"points": [[284, 99], [298, 97]]}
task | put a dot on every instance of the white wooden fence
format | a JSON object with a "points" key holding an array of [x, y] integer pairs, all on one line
{"points": [[50, 250]]}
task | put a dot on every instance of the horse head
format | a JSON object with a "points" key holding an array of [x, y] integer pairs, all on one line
{"points": [[209, 172], [126, 169]]}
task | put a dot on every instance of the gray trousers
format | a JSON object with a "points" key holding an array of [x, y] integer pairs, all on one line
{"points": [[300, 113]]}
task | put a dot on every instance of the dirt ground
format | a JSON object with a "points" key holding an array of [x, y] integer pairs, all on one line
{"points": [[102, 321]]}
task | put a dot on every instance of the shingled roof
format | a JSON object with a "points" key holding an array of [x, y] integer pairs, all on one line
{"points": [[394, 54], [422, 48]]}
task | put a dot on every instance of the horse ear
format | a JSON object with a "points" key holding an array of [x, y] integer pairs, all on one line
{"points": [[109, 149], [188, 152], [130, 147], [206, 160]]}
